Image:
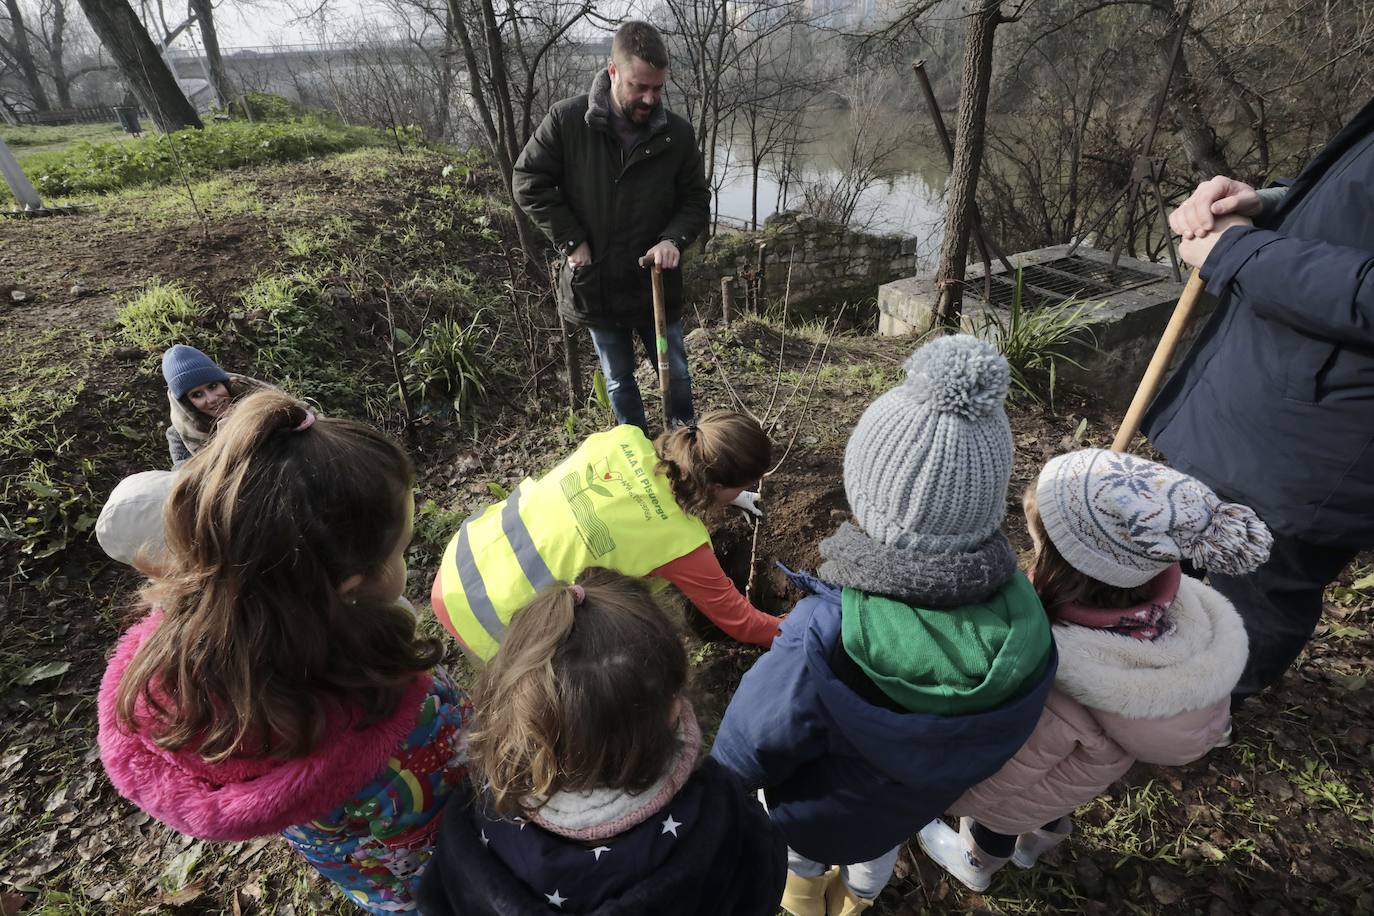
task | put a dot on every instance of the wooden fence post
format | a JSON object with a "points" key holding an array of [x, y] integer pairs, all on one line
{"points": [[727, 299], [761, 280]]}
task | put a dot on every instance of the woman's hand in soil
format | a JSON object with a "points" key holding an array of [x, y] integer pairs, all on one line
{"points": [[749, 502]]}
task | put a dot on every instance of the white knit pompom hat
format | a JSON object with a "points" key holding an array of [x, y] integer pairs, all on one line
{"points": [[1123, 520]]}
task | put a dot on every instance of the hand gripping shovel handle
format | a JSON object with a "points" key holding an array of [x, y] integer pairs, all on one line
{"points": [[660, 335], [1159, 363]]}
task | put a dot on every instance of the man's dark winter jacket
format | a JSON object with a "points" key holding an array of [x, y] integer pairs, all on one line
{"points": [[577, 183], [1274, 405], [847, 780]]}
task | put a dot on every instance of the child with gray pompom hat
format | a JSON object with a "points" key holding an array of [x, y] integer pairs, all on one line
{"points": [[921, 660], [1147, 657]]}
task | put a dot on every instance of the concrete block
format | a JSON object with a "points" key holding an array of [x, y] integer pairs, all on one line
{"points": [[1126, 326]]}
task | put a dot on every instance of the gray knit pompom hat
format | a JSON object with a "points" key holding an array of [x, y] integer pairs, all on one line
{"points": [[1123, 520], [927, 466]]}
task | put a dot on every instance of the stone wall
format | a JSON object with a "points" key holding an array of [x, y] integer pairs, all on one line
{"points": [[828, 264]]}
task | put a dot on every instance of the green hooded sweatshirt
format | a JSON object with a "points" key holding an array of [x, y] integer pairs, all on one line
{"points": [[954, 661]]}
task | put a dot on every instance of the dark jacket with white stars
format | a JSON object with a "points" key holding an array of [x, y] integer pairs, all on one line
{"points": [[709, 850]]}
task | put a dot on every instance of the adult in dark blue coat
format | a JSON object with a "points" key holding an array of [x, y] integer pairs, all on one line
{"points": [[922, 662], [1274, 405]]}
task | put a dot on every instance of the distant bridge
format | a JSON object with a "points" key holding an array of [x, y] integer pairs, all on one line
{"points": [[286, 68]]}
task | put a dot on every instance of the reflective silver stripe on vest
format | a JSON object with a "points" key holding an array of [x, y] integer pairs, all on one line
{"points": [[515, 530], [474, 588]]}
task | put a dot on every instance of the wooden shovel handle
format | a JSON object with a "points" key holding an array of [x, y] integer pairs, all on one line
{"points": [[1159, 363], [660, 335]]}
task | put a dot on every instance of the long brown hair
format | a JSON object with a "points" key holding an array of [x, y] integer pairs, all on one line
{"points": [[1057, 583], [579, 696], [256, 642], [724, 448]]}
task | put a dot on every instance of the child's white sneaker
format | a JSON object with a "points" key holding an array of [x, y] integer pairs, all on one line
{"points": [[1031, 846], [959, 855]]}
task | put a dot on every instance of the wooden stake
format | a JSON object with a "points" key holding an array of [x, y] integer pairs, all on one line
{"points": [[727, 299]]}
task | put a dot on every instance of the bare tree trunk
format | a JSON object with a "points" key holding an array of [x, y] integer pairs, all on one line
{"points": [[22, 52], [968, 157], [205, 17], [57, 58], [143, 69], [498, 127], [500, 82], [1194, 127], [446, 76]]}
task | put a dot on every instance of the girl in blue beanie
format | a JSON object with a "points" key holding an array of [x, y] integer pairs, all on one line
{"points": [[201, 394]]}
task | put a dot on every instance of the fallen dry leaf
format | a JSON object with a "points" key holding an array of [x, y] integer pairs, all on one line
{"points": [[187, 895], [12, 903]]}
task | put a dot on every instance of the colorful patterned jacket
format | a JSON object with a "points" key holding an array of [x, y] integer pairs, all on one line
{"points": [[363, 808]]}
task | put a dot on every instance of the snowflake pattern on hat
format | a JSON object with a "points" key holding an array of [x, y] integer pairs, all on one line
{"points": [[1122, 519]]}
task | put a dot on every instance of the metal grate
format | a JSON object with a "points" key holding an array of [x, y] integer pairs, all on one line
{"points": [[1051, 282]]}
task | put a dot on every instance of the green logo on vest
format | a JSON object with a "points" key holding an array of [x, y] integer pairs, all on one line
{"points": [[589, 525]]}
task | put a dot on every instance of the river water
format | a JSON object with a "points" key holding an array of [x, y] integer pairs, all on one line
{"points": [[908, 200]]}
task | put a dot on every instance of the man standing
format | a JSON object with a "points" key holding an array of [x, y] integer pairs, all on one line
{"points": [[610, 177], [1274, 405]]}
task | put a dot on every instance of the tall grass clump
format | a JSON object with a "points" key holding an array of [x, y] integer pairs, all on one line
{"points": [[1038, 342]]}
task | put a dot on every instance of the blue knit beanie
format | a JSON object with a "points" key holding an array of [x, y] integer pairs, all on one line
{"points": [[186, 368], [926, 468]]}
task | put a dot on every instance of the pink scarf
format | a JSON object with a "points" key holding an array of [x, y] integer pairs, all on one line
{"points": [[1148, 620]]}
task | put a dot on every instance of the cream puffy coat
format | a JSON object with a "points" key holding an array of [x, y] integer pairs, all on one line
{"points": [[1117, 700]]}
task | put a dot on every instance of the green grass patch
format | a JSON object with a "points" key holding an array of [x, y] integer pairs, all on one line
{"points": [[215, 198], [304, 345], [321, 242], [21, 137], [451, 361], [161, 315], [94, 168], [37, 394], [42, 509]]}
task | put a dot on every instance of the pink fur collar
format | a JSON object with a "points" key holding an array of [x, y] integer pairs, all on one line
{"points": [[600, 814], [241, 799]]}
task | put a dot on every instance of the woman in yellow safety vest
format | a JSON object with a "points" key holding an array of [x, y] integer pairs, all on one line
{"points": [[620, 502]]}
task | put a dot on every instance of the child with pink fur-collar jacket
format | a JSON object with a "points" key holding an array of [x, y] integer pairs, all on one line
{"points": [[1147, 656], [277, 683]]}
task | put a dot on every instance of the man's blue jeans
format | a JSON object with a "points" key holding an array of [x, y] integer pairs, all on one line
{"points": [[615, 347]]}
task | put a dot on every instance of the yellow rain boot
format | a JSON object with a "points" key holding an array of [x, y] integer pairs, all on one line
{"points": [[806, 896], [841, 901]]}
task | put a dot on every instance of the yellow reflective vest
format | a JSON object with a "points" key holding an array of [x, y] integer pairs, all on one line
{"points": [[604, 505]]}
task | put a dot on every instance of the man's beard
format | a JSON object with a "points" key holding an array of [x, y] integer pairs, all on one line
{"points": [[636, 112]]}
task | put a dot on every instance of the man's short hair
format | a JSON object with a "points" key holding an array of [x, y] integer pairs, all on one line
{"points": [[639, 39]]}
